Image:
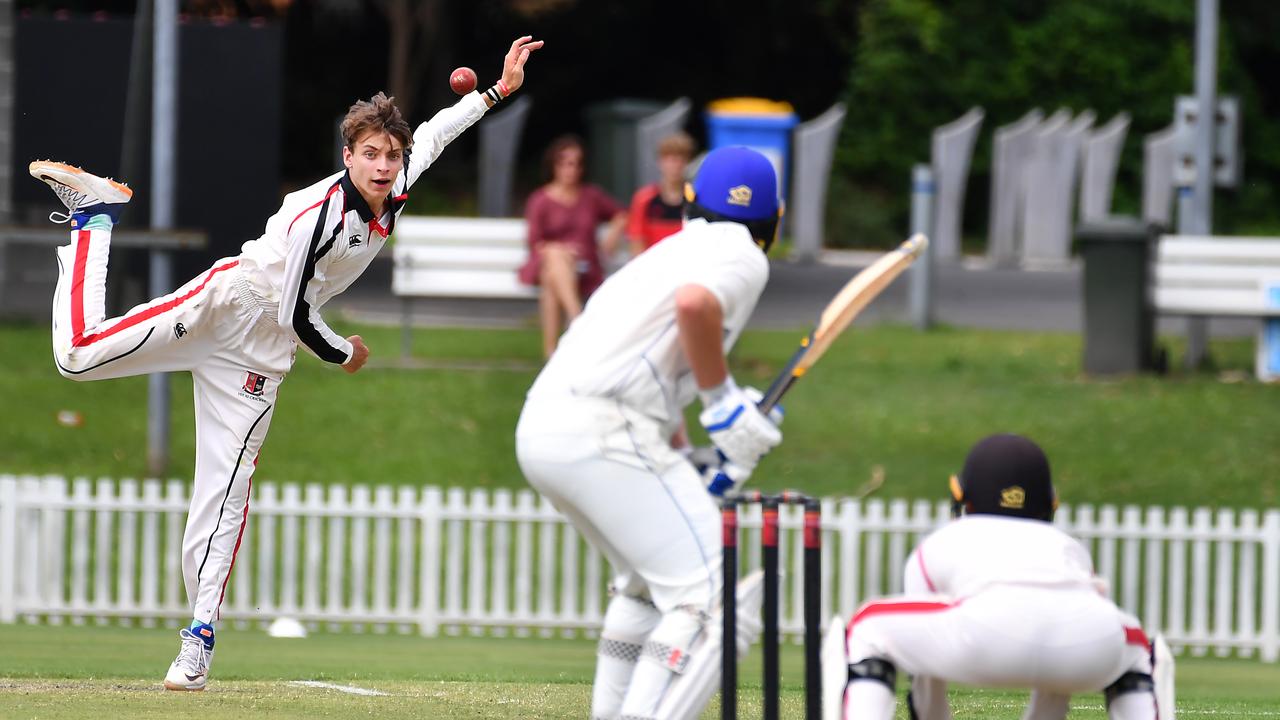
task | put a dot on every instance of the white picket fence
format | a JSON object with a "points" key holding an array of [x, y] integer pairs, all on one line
{"points": [[500, 562]]}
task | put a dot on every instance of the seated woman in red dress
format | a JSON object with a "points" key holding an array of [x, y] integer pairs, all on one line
{"points": [[562, 217]]}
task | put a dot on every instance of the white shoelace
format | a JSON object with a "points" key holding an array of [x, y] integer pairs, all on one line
{"points": [[194, 655], [74, 200]]}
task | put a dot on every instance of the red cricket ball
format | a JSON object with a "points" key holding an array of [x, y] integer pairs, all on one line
{"points": [[463, 80]]}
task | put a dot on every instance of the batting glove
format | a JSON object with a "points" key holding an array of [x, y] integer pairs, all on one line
{"points": [[724, 479], [736, 427], [776, 413]]}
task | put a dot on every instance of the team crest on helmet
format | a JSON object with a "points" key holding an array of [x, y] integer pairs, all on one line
{"points": [[1013, 498], [740, 195]]}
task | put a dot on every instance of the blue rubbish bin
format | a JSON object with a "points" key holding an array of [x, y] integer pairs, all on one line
{"points": [[760, 124]]}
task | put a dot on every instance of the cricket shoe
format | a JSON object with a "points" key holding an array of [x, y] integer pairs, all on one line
{"points": [[84, 193], [190, 670]]}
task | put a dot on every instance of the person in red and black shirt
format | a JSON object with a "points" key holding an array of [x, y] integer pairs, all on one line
{"points": [[656, 208]]}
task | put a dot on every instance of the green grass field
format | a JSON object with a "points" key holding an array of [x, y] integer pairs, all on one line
{"points": [[105, 671], [885, 397]]}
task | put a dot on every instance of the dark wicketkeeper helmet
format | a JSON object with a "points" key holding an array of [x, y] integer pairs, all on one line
{"points": [[1005, 475]]}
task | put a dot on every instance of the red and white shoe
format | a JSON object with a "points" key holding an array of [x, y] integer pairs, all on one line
{"points": [[82, 192]]}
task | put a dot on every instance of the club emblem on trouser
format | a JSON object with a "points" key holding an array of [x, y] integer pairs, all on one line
{"points": [[254, 384]]}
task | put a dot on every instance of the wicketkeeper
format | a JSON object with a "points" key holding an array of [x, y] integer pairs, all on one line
{"points": [[594, 437], [999, 598], [237, 326]]}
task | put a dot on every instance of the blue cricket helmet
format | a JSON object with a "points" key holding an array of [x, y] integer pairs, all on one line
{"points": [[737, 184]]}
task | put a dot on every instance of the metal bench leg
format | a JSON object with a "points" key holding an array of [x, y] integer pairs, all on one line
{"points": [[1197, 342], [406, 327]]}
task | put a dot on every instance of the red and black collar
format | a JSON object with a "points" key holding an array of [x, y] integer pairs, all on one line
{"points": [[355, 201]]}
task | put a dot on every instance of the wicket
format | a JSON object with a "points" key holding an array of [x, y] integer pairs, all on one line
{"points": [[769, 563]]}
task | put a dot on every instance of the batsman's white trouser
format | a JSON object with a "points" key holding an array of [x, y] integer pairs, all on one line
{"points": [[1055, 641], [616, 478], [237, 357], [612, 473]]}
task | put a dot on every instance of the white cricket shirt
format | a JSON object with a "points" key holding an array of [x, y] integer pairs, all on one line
{"points": [[974, 552], [625, 344], [324, 236]]}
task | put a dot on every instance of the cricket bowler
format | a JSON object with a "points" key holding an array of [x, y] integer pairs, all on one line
{"points": [[236, 327]]}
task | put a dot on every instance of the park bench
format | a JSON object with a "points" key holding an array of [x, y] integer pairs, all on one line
{"points": [[1203, 277], [463, 257], [459, 257]]}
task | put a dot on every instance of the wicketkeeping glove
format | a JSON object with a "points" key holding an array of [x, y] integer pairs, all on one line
{"points": [[736, 427]]}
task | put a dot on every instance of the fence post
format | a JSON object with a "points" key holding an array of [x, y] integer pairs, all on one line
{"points": [[8, 546], [429, 612], [1271, 587]]}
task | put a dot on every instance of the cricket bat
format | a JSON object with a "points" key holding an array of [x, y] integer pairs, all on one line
{"points": [[856, 295]]}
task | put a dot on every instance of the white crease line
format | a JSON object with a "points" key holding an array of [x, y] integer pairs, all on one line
{"points": [[1181, 710], [340, 688]]}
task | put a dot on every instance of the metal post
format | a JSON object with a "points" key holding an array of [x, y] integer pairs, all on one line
{"points": [[729, 611], [164, 133], [1198, 215], [8, 80], [921, 272], [769, 563], [1207, 110]]}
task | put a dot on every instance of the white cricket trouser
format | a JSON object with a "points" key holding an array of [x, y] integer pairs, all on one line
{"points": [[614, 475], [1054, 641], [237, 357]]}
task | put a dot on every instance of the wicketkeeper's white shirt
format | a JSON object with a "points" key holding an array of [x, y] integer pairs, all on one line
{"points": [[976, 552], [625, 344]]}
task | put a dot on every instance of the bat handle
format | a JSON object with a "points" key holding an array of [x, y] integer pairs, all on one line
{"points": [[784, 381], [775, 392]]}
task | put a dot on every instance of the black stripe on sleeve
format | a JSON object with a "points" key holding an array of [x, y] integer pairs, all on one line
{"points": [[307, 332]]}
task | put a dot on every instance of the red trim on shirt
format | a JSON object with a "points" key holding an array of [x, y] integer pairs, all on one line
{"points": [[1135, 636], [923, 570], [327, 195], [897, 607], [128, 321]]}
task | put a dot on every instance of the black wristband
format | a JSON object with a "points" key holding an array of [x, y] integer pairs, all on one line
{"points": [[494, 95]]}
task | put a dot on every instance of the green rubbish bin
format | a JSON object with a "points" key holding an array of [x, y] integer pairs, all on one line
{"points": [[1119, 323], [611, 143]]}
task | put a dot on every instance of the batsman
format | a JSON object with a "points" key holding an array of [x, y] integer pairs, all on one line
{"points": [[595, 438]]}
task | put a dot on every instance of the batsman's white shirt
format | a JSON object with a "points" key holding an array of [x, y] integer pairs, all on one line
{"points": [[594, 433], [625, 345]]}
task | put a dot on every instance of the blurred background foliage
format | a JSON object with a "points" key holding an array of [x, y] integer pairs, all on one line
{"points": [[903, 67]]}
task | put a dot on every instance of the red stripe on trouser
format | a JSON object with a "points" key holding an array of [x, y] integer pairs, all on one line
{"points": [[77, 285], [77, 303], [244, 520], [897, 607], [1135, 636]]}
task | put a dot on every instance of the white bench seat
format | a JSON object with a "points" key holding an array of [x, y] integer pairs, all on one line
{"points": [[1223, 277], [457, 257]]}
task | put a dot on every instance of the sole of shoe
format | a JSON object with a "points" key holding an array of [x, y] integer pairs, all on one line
{"points": [[105, 189], [181, 688]]}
